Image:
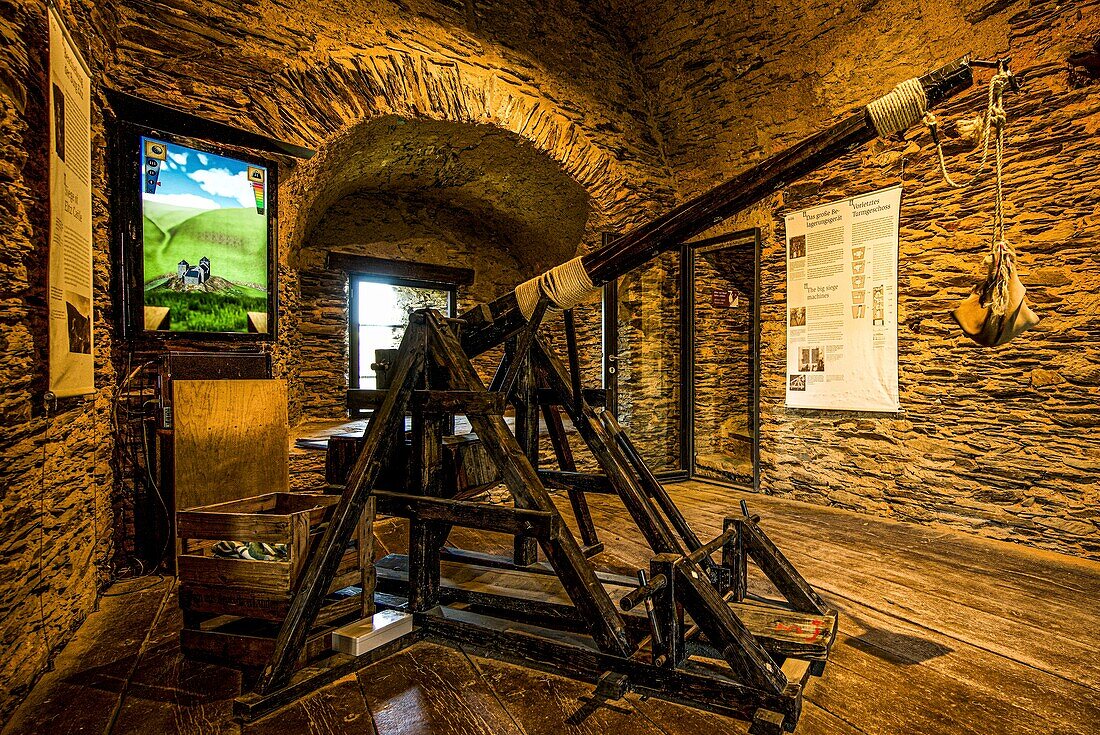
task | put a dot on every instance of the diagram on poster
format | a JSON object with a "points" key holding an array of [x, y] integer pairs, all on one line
{"points": [[70, 284], [842, 305]]}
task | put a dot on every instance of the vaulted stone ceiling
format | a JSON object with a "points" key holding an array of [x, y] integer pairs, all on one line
{"points": [[514, 193]]}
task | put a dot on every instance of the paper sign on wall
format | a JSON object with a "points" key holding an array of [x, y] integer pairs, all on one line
{"points": [[842, 306], [70, 285]]}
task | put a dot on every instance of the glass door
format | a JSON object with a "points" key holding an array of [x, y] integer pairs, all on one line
{"points": [[723, 321]]}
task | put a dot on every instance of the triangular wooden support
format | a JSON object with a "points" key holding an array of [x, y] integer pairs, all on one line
{"points": [[434, 379]]}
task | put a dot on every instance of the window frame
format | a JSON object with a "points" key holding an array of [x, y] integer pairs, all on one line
{"points": [[354, 279]]}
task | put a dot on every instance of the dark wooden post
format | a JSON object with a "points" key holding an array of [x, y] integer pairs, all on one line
{"points": [[525, 548], [424, 536], [670, 650], [367, 573], [320, 570], [734, 558]]}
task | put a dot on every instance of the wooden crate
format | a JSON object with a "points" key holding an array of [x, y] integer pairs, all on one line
{"points": [[233, 607]]}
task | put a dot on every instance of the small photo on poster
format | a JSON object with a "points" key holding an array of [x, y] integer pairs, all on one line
{"points": [[798, 316], [798, 382], [798, 247], [79, 317], [59, 122], [811, 360]]}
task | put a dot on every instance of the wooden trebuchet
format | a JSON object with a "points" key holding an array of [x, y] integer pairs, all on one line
{"points": [[697, 215], [436, 353]]}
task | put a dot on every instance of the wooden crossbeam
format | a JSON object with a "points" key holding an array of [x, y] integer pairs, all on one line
{"points": [[501, 519]]}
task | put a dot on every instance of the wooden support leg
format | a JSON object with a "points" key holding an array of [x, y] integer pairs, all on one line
{"points": [[726, 632], [781, 572], [525, 548], [424, 535], [670, 650], [576, 574], [558, 438], [735, 558], [367, 572], [320, 570], [653, 486]]}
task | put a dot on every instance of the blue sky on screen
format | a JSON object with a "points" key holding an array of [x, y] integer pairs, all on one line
{"points": [[191, 178]]}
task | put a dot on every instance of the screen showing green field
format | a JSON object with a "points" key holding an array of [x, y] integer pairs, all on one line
{"points": [[205, 241]]}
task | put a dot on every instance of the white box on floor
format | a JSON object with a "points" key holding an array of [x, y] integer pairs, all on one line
{"points": [[364, 635]]}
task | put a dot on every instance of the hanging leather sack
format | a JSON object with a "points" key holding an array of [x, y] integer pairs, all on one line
{"points": [[997, 310]]}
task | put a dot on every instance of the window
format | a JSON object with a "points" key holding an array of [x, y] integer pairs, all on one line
{"points": [[378, 313]]}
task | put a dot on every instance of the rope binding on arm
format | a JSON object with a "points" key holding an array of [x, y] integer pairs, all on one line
{"points": [[565, 285], [899, 108]]}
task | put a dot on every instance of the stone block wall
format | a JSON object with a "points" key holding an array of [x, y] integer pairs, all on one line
{"points": [[556, 77], [57, 486], [1004, 443]]}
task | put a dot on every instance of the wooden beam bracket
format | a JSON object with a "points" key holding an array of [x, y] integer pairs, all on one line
{"points": [[538, 524]]}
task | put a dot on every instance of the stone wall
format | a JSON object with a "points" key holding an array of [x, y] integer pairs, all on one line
{"points": [[56, 492], [554, 76], [1006, 442], [445, 193], [385, 227]]}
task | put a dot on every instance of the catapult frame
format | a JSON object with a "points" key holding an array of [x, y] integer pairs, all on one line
{"points": [[701, 639]]}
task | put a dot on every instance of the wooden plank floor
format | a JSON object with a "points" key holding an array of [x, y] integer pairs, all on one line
{"points": [[939, 633]]}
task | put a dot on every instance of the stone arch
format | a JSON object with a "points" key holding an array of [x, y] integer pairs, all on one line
{"points": [[343, 92]]}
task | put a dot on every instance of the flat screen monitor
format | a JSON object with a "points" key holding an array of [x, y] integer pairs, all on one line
{"points": [[199, 248]]}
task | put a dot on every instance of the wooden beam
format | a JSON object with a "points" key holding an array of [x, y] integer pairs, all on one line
{"points": [[592, 396], [445, 275], [567, 654], [583, 481], [499, 518], [781, 572], [457, 401], [699, 214], [385, 424]]}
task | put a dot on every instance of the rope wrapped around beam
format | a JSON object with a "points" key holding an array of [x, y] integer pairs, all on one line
{"points": [[565, 285], [899, 108]]}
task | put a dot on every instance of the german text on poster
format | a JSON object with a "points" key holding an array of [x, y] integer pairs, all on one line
{"points": [[842, 305], [70, 277]]}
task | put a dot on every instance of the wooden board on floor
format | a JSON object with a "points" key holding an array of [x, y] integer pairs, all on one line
{"points": [[91, 674], [544, 704], [432, 689], [230, 440], [171, 694], [337, 708]]}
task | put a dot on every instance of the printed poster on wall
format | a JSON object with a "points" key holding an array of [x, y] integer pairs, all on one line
{"points": [[70, 285], [842, 304]]}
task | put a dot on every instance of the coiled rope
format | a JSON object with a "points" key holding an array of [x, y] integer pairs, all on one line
{"points": [[899, 108], [565, 285]]}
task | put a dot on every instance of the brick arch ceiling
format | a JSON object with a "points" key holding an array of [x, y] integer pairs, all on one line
{"points": [[520, 195]]}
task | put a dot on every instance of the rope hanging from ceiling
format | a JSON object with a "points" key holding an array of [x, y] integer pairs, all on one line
{"points": [[997, 310]]}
